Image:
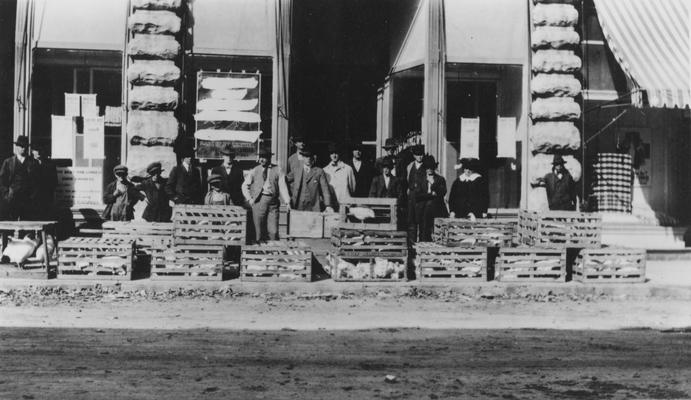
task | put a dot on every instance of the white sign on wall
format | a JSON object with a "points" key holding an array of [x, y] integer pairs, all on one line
{"points": [[80, 187], [506, 137], [62, 131], [88, 105], [470, 138], [94, 138]]}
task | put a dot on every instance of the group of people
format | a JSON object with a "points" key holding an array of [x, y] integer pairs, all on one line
{"points": [[28, 180]]}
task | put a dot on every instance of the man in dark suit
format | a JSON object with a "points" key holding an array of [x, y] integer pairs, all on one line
{"points": [[231, 175], [296, 159], [17, 180], [184, 184], [416, 184], [46, 181], [154, 187], [310, 187], [364, 172], [386, 184]]}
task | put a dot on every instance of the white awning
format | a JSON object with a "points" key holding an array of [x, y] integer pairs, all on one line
{"points": [[487, 31], [412, 51], [650, 40], [80, 24], [237, 27]]}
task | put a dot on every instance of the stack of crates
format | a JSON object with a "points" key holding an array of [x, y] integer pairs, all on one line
{"points": [[366, 243]]}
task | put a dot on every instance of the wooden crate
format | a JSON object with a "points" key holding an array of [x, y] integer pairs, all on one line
{"points": [[188, 262], [141, 231], [277, 261], [487, 232], [305, 224], [615, 265], [560, 229], [367, 269], [209, 225], [530, 264], [384, 213], [95, 258], [369, 242], [435, 263]]}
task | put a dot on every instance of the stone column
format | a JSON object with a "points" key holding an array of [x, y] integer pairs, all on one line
{"points": [[555, 112]]}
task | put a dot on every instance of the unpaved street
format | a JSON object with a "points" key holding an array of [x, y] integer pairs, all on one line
{"points": [[424, 364]]}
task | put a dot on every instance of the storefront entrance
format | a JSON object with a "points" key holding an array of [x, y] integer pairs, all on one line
{"points": [[480, 98]]}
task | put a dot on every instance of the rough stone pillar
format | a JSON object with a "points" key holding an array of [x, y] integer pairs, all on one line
{"points": [[554, 86], [152, 76]]}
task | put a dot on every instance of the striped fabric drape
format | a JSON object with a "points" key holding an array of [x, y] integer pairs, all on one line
{"points": [[651, 40]]}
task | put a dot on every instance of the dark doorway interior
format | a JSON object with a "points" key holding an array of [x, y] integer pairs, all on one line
{"points": [[8, 9], [339, 57]]}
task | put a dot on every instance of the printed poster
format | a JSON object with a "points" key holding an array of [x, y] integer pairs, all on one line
{"points": [[470, 138], [62, 133], [94, 138], [506, 137], [80, 187], [88, 105]]}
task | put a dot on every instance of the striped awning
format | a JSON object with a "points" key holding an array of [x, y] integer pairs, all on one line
{"points": [[651, 40]]}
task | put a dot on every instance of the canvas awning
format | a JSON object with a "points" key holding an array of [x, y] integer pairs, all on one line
{"points": [[651, 41]]}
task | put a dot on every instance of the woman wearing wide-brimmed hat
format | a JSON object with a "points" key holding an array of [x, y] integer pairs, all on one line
{"points": [[468, 197], [429, 203]]}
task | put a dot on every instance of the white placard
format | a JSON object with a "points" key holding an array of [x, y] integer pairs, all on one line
{"points": [[470, 138], [62, 131], [89, 107], [506, 137], [94, 138], [80, 187]]}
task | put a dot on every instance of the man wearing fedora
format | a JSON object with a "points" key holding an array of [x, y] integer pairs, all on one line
{"points": [[263, 189], [184, 184], [157, 201], [309, 186], [364, 171], [416, 184], [231, 176], [390, 146], [120, 196], [561, 189], [340, 177], [429, 201], [17, 180]]}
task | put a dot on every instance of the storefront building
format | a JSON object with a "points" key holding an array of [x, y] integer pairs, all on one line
{"points": [[363, 71]]}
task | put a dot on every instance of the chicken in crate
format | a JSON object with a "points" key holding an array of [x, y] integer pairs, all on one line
{"points": [[358, 269], [276, 261], [372, 213]]}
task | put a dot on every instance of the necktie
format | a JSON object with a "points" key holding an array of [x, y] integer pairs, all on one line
{"points": [[264, 174]]}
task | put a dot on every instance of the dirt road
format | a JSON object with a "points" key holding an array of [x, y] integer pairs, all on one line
{"points": [[422, 364]]}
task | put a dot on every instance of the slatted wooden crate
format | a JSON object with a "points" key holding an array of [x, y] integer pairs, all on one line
{"points": [[384, 213], [142, 231], [560, 229], [209, 225], [366, 269], [530, 264], [369, 242], [276, 261], [95, 258], [479, 233], [615, 265], [187, 262], [435, 263]]}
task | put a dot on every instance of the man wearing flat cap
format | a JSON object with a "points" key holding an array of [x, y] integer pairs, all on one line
{"points": [[17, 180], [231, 176], [561, 189], [184, 184], [263, 189], [157, 202], [120, 197], [309, 186]]}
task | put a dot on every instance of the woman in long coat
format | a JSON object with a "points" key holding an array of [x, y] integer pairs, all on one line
{"points": [[468, 197], [429, 204]]}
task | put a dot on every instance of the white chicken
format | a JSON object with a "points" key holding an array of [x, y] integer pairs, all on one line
{"points": [[361, 213]]}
